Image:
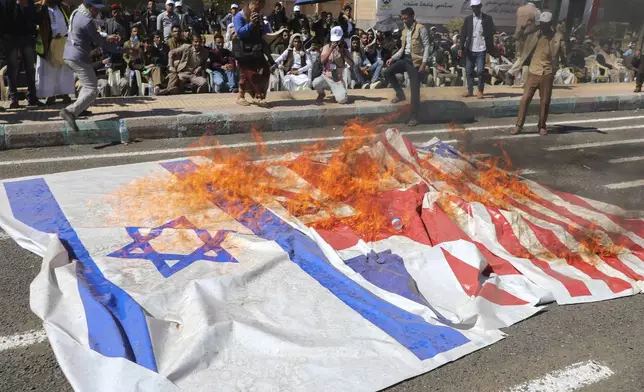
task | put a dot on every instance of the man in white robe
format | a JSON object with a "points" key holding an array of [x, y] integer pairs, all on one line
{"points": [[53, 77], [295, 65]]}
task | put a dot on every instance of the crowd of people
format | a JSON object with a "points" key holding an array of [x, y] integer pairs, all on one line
{"points": [[144, 51]]}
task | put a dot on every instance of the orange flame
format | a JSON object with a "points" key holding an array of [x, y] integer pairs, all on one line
{"points": [[351, 179]]}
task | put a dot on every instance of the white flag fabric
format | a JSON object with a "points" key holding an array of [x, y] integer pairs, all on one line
{"points": [[216, 297]]}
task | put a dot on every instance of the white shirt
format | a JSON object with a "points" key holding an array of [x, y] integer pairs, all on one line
{"points": [[408, 43], [57, 21], [478, 39]]}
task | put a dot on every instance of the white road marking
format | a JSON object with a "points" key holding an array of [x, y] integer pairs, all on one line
{"points": [[520, 136], [628, 159], [596, 144], [22, 340], [526, 172], [181, 150], [490, 127], [570, 378], [4, 236], [625, 185]]}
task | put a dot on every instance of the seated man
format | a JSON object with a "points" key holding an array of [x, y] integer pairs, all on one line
{"points": [[577, 61], [101, 62], [186, 64], [153, 65], [605, 58], [295, 63], [442, 62], [500, 67], [177, 38], [222, 63], [162, 47], [363, 72], [334, 56]]}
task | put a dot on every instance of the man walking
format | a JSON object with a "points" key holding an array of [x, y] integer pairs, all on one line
{"points": [[18, 26], [412, 57], [477, 40], [543, 48], [167, 19], [82, 35], [53, 77]]}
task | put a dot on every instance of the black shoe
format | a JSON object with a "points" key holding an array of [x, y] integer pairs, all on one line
{"points": [[67, 99], [412, 122], [50, 101], [69, 118], [35, 103], [14, 105]]}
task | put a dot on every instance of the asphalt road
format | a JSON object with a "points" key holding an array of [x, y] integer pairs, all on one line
{"points": [[600, 156]]}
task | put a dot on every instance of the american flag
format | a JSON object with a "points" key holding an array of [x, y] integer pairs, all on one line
{"points": [[346, 272]]}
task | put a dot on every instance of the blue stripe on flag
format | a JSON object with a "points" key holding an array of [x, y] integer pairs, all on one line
{"points": [[423, 339], [115, 322]]}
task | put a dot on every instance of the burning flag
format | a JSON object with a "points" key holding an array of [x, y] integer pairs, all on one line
{"points": [[350, 270]]}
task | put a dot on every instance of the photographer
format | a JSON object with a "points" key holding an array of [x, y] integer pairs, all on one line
{"points": [[334, 57]]}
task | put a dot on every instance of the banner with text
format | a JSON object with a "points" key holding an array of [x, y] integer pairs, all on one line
{"points": [[442, 11]]}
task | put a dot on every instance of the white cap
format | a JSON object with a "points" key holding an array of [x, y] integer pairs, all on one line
{"points": [[234, 6], [336, 34], [546, 17], [178, 4], [297, 8], [169, 2], [432, 28], [475, 2]]}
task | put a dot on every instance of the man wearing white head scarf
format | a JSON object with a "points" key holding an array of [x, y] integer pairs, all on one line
{"points": [[541, 53], [295, 63]]}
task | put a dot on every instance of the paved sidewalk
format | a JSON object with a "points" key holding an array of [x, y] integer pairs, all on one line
{"points": [[194, 115]]}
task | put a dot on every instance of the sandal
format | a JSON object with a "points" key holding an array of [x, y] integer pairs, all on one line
{"points": [[516, 130], [543, 132], [412, 122], [243, 102], [397, 100], [263, 104]]}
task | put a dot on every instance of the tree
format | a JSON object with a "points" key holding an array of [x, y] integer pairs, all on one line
{"points": [[454, 24]]}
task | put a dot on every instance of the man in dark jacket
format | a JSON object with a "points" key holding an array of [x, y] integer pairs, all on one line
{"points": [[477, 39], [18, 20], [149, 18], [117, 24], [345, 20], [157, 40], [322, 27], [278, 18], [300, 22]]}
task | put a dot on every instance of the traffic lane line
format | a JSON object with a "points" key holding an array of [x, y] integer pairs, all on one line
{"points": [[625, 185], [24, 339], [595, 144], [626, 159], [570, 378], [170, 151]]}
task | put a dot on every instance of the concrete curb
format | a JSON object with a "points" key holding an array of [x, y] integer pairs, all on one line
{"points": [[56, 133]]}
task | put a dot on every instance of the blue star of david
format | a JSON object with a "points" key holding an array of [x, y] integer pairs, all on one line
{"points": [[141, 248]]}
